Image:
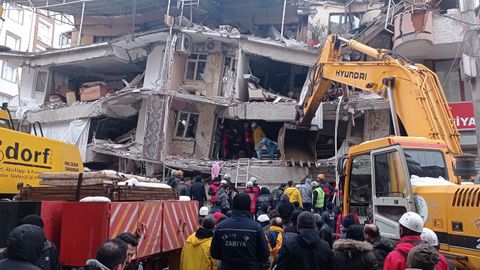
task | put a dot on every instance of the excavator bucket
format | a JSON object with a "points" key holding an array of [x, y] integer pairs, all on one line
{"points": [[298, 144]]}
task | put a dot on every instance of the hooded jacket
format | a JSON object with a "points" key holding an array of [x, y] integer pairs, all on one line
{"points": [[183, 189], [25, 244], [397, 259], [306, 191], [196, 252], [239, 243], [293, 195], [381, 248], [305, 251], [222, 203], [352, 254]]}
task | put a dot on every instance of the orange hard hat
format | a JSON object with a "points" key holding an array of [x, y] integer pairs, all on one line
{"points": [[321, 176]]}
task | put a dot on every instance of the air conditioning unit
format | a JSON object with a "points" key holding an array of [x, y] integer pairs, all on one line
{"points": [[184, 44], [212, 46]]}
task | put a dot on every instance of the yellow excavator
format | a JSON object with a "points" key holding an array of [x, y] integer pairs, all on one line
{"points": [[24, 156], [418, 169]]}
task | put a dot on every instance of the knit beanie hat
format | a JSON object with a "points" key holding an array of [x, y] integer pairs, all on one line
{"points": [[355, 232], [306, 220], [423, 257], [241, 202]]}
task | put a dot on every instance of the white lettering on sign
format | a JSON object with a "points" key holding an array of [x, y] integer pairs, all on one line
{"points": [[465, 121]]}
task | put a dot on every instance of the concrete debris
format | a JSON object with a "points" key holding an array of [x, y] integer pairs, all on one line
{"points": [[258, 93]]}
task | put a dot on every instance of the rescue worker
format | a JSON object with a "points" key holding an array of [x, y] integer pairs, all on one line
{"points": [[249, 142], [293, 193], [259, 139], [49, 259], [264, 221], [285, 209], [264, 199], [239, 242], [324, 230], [227, 177], [327, 187], [353, 252], [24, 247], [305, 251], [381, 246], [253, 193], [306, 193], [318, 198], [203, 212], [431, 238], [111, 255], [222, 204], [423, 257], [212, 190], [411, 227], [276, 193], [197, 191], [196, 251], [132, 244]]}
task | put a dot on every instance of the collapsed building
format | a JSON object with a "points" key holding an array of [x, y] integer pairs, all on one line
{"points": [[146, 95]]}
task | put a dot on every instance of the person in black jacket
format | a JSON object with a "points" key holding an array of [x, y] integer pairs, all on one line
{"points": [[305, 251], [323, 230], [291, 228], [184, 187], [285, 208], [197, 191], [381, 246], [353, 252], [238, 241], [264, 199], [328, 215], [49, 259], [24, 246], [112, 255]]}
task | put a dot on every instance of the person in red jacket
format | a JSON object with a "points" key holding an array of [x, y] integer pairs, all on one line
{"points": [[212, 190], [411, 227], [253, 192]]}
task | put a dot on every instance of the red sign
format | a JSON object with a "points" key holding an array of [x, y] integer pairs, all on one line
{"points": [[463, 115]]}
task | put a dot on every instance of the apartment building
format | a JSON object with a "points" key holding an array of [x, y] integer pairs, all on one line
{"points": [[27, 30]]}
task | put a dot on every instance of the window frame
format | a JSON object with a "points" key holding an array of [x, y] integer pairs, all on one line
{"points": [[460, 79], [18, 40], [196, 61], [46, 81], [14, 73], [50, 32], [177, 123], [442, 155], [20, 12], [343, 14]]}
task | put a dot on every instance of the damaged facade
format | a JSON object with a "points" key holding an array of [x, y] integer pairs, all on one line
{"points": [[148, 95]]}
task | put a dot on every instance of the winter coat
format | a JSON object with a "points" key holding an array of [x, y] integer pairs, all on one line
{"points": [[253, 192], [294, 195], [305, 251], [397, 259], [196, 252], [352, 254], [212, 191], [263, 199], [183, 189], [325, 234], [49, 259], [197, 190], [222, 202], [329, 218], [381, 247], [275, 195], [9, 264], [174, 181], [306, 191], [239, 243]]}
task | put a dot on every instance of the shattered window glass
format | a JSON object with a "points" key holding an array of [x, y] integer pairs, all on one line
{"points": [[41, 81], [341, 23], [186, 126]]}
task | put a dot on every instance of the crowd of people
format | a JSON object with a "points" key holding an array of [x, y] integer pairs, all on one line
{"points": [[298, 227], [233, 143], [291, 227]]}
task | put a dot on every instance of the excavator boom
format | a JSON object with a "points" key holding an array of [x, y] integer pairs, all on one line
{"points": [[416, 93]]}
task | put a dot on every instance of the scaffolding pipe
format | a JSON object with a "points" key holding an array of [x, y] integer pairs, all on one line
{"points": [[79, 39], [134, 14], [283, 18], [337, 177]]}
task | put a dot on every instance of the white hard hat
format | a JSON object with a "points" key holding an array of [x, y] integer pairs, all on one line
{"points": [[249, 184], [412, 221], [263, 218], [253, 179], [227, 176], [254, 124], [430, 237], [223, 182], [314, 184], [203, 211]]}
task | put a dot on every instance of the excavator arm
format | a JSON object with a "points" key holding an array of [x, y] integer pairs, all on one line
{"points": [[413, 91]]}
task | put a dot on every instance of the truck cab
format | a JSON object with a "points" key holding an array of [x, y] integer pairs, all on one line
{"points": [[379, 175]]}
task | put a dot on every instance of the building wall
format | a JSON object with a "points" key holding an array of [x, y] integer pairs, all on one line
{"points": [[154, 66]]}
